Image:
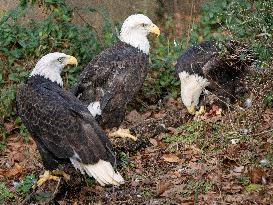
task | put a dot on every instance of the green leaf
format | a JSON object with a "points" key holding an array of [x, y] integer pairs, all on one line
{"points": [[254, 187], [13, 77], [4, 192], [25, 185]]}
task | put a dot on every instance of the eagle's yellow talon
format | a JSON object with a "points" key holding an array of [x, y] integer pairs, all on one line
{"points": [[200, 111], [61, 173], [46, 177], [124, 133], [191, 110]]}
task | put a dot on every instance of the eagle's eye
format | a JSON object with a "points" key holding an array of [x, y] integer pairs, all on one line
{"points": [[144, 24], [61, 59]]}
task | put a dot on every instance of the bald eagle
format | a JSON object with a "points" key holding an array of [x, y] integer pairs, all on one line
{"points": [[218, 70], [114, 76], [62, 127]]}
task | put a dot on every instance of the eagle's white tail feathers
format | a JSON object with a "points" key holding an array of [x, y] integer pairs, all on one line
{"points": [[102, 171]]}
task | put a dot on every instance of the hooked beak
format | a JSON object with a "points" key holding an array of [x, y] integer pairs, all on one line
{"points": [[153, 29], [191, 110], [72, 61]]}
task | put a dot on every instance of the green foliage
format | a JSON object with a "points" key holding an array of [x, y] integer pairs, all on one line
{"points": [[7, 101], [162, 80], [25, 185], [244, 180], [191, 130], [269, 158], [43, 197], [4, 192], [199, 186], [245, 20], [196, 130], [123, 158], [91, 182], [254, 187], [174, 138], [22, 44], [268, 100], [24, 133]]}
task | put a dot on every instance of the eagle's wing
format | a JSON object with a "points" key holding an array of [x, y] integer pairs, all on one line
{"points": [[122, 87], [62, 125], [113, 78], [194, 58], [89, 88]]}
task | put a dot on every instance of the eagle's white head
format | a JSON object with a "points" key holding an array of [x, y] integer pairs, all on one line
{"points": [[191, 89], [51, 65], [135, 29]]}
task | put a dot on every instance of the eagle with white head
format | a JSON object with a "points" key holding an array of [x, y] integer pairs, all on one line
{"points": [[62, 126], [112, 78]]}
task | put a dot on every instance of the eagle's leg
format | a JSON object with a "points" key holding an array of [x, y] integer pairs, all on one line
{"points": [[200, 111], [58, 172], [123, 133], [45, 177], [51, 175]]}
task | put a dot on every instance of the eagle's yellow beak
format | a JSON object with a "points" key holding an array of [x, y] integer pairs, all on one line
{"points": [[153, 29], [72, 61], [191, 110]]}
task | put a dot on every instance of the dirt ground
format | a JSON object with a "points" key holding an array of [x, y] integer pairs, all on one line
{"points": [[222, 157]]}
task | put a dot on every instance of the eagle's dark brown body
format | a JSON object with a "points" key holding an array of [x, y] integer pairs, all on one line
{"points": [[113, 78], [60, 124], [223, 68], [194, 58]]}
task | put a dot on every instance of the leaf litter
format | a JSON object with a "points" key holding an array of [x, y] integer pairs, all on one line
{"points": [[195, 163]]}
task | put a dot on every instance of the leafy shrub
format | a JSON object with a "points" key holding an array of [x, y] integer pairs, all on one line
{"points": [[21, 44], [25, 185], [247, 21], [163, 59], [4, 192], [161, 80]]}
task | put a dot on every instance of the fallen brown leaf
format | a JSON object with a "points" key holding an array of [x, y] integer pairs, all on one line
{"points": [[177, 174], [170, 158], [171, 102], [13, 172], [136, 117], [228, 162], [173, 130], [62, 202], [232, 188], [159, 115], [173, 189], [134, 183], [16, 156], [9, 126], [256, 175], [161, 187], [153, 142], [133, 116], [239, 169], [213, 114]]}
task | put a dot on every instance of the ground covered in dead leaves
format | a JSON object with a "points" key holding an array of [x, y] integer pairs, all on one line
{"points": [[221, 157]]}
